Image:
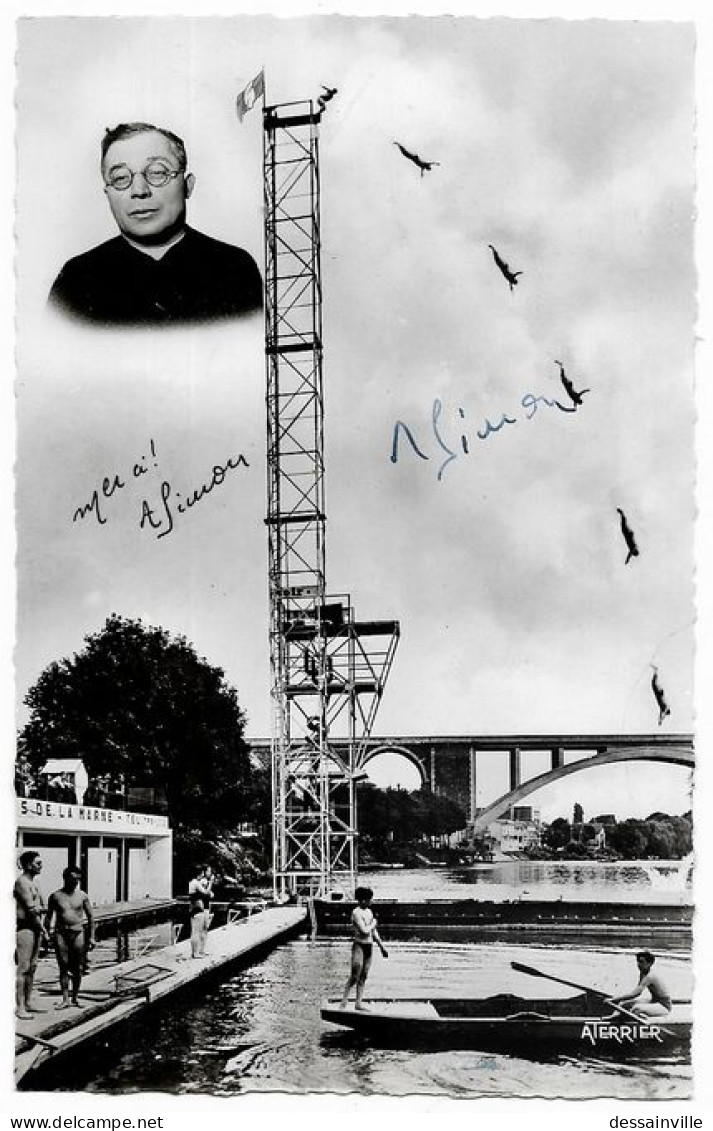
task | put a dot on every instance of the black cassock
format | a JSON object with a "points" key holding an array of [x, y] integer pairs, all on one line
{"points": [[198, 279]]}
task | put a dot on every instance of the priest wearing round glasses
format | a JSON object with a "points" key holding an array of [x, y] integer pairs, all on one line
{"points": [[158, 270]]}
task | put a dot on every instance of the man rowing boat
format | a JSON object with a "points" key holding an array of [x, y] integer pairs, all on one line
{"points": [[660, 1003]]}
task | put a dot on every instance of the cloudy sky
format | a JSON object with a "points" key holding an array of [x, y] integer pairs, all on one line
{"points": [[569, 146]]}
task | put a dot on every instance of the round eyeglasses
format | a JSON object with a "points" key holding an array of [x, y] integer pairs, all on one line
{"points": [[155, 174]]}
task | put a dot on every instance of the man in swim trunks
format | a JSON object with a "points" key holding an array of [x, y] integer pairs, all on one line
{"points": [[365, 935], [29, 910], [67, 909], [660, 1003]]}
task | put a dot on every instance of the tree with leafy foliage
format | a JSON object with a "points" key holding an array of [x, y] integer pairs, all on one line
{"points": [[387, 813], [660, 836], [669, 838], [629, 838], [405, 816], [438, 815], [578, 816], [140, 705], [557, 834]]}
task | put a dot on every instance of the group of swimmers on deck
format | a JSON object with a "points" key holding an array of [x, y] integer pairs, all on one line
{"points": [[67, 923]]}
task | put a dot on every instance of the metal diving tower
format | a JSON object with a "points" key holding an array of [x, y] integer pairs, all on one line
{"points": [[328, 668]]}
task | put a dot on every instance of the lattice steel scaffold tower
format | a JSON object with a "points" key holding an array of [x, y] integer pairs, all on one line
{"points": [[328, 669]]}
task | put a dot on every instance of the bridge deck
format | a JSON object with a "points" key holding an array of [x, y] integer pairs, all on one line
{"points": [[525, 742]]}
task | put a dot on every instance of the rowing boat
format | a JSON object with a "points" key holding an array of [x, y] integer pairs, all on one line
{"points": [[507, 1022]]}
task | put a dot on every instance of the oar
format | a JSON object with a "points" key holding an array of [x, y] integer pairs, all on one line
{"points": [[588, 990], [37, 1040]]}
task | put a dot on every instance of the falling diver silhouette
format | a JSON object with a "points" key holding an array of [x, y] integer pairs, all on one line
{"points": [[575, 395], [657, 689], [628, 538], [329, 92], [511, 276], [424, 166]]}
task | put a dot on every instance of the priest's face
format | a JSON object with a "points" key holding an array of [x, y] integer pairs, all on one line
{"points": [[146, 187]]}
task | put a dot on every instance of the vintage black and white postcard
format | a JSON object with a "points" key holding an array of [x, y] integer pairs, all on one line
{"points": [[355, 504]]}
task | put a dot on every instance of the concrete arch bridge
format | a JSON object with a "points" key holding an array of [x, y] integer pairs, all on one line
{"points": [[451, 766]]}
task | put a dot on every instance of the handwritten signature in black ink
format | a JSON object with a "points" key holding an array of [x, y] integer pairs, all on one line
{"points": [[529, 402], [173, 502]]}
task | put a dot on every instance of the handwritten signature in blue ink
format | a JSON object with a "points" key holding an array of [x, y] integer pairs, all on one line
{"points": [[529, 402]]}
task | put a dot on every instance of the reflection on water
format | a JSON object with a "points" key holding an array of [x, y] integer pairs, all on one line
{"points": [[573, 880]]}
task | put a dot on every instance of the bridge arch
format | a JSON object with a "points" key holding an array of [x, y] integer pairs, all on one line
{"points": [[395, 748], [682, 756]]}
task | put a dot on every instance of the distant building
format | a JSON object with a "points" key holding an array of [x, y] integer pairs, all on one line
{"points": [[519, 829], [64, 776], [592, 843], [508, 835], [599, 840], [525, 813]]}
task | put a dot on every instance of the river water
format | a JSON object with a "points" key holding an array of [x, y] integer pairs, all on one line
{"points": [[260, 1030], [659, 881]]}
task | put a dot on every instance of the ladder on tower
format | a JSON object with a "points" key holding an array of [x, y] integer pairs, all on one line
{"points": [[328, 668]]}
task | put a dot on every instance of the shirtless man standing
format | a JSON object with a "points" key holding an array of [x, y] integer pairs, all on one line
{"points": [[66, 911], [365, 935], [660, 1003], [29, 910]]}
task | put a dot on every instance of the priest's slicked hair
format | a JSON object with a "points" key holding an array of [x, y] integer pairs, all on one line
{"points": [[128, 129]]}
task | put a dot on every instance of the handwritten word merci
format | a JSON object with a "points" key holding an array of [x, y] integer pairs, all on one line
{"points": [[156, 515], [440, 433], [109, 486]]}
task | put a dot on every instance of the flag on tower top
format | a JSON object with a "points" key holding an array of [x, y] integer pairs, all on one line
{"points": [[248, 97]]}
